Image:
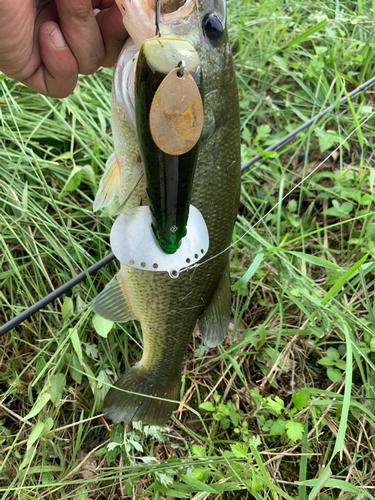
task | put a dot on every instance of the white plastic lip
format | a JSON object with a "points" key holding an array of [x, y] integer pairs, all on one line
{"points": [[134, 244]]}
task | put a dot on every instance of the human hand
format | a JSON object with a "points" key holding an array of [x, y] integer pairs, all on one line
{"points": [[45, 44]]}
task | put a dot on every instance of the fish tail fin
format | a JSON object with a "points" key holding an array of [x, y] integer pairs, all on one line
{"points": [[110, 184], [121, 406]]}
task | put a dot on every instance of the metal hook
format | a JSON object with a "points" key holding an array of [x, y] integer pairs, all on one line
{"points": [[181, 65], [157, 18]]}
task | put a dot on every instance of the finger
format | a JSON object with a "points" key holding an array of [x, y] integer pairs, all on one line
{"points": [[57, 75], [16, 45], [82, 33], [113, 32]]}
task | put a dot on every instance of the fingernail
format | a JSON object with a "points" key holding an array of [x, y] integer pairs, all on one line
{"points": [[57, 39], [96, 12]]}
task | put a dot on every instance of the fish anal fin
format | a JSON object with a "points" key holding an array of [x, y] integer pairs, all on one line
{"points": [[110, 184], [128, 402], [214, 322], [113, 303]]}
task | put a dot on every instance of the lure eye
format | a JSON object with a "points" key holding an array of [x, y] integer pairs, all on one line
{"points": [[213, 26]]}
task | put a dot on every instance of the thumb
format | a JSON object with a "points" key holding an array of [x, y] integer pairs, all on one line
{"points": [[57, 75]]}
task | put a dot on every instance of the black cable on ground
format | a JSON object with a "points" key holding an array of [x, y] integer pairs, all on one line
{"points": [[103, 262], [54, 295]]}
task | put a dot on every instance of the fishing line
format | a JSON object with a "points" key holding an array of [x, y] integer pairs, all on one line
{"points": [[282, 199]]}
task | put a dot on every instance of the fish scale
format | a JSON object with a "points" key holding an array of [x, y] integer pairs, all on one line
{"points": [[168, 309]]}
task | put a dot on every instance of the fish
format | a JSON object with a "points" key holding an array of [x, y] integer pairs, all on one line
{"points": [[169, 309]]}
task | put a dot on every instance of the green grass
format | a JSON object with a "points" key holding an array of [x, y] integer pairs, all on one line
{"points": [[285, 408]]}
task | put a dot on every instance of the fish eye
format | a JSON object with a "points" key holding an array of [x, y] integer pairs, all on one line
{"points": [[213, 26]]}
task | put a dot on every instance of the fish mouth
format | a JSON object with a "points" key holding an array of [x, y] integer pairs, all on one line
{"points": [[171, 10], [139, 17]]}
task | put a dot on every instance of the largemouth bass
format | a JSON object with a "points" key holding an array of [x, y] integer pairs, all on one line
{"points": [[168, 309]]}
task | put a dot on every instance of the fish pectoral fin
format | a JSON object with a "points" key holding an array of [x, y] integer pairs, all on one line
{"points": [[214, 322], [110, 184], [112, 303], [133, 183]]}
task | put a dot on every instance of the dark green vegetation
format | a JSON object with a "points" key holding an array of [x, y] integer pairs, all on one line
{"points": [[289, 395]]}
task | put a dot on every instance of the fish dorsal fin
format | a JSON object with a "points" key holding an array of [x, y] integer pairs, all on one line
{"points": [[214, 322], [110, 184], [132, 185], [112, 303]]}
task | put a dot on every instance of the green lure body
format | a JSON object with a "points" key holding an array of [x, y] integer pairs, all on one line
{"points": [[169, 178]]}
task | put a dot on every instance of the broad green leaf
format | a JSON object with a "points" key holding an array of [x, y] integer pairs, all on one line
{"points": [[67, 309], [326, 141], [292, 206], [333, 353], [74, 180], [104, 382], [91, 350], [76, 343], [207, 405], [27, 458], [75, 369], [249, 273], [197, 473], [326, 361], [278, 427], [334, 374], [111, 446], [35, 434], [240, 450], [88, 174], [102, 326], [301, 399], [370, 230], [276, 405], [294, 430], [340, 363], [39, 405], [48, 424], [257, 482], [198, 450], [318, 261], [164, 479], [58, 383], [263, 130]]}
